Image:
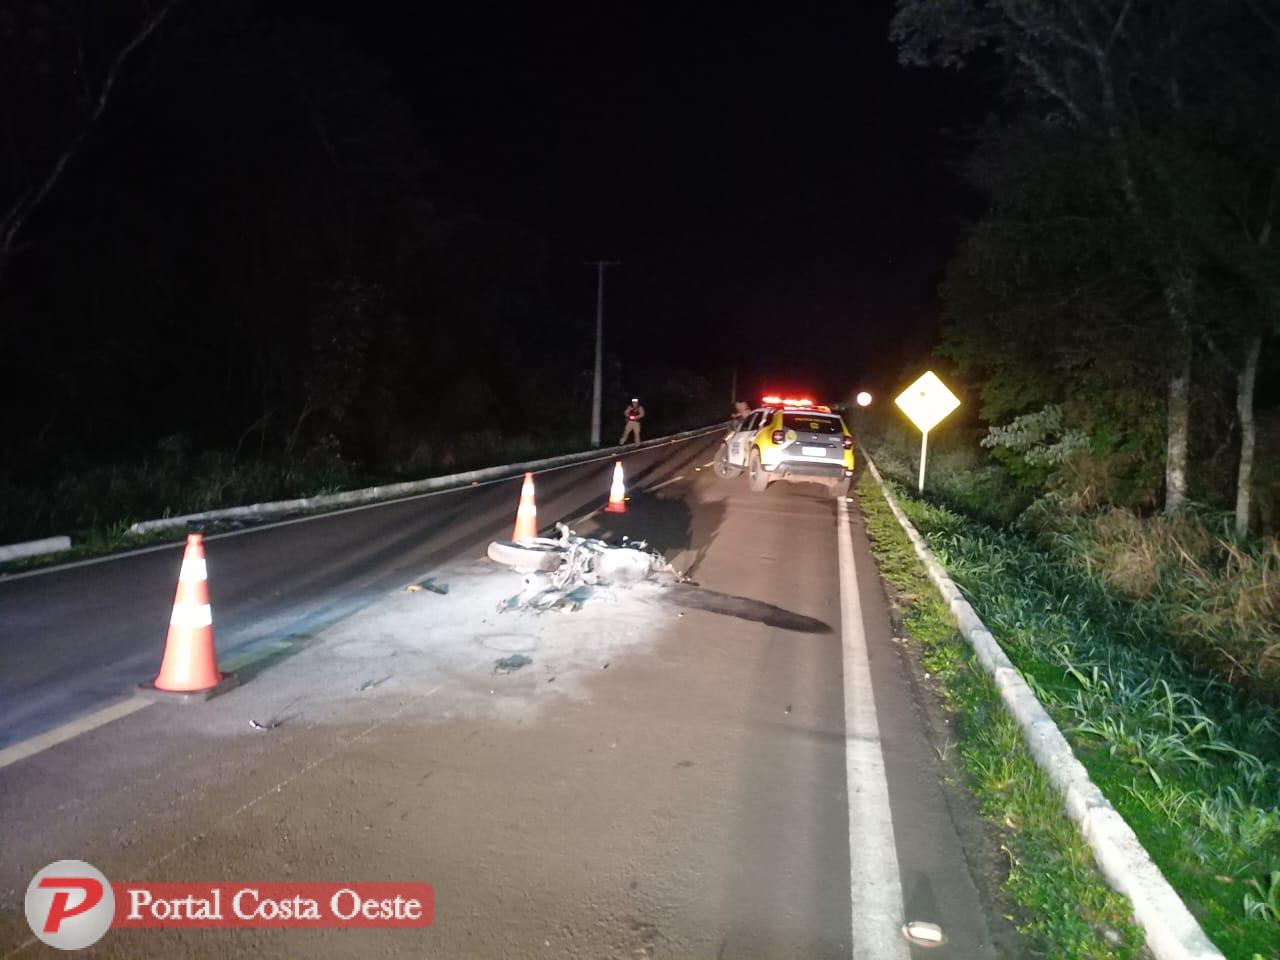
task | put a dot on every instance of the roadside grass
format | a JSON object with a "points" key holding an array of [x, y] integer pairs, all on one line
{"points": [[1066, 907], [1191, 763]]}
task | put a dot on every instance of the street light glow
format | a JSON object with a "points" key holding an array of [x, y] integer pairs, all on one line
{"points": [[864, 399]]}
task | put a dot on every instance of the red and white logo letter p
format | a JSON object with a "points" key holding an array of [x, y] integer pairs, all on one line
{"points": [[70, 905]]}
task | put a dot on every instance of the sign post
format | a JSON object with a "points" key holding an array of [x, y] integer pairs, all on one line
{"points": [[924, 452], [926, 402]]}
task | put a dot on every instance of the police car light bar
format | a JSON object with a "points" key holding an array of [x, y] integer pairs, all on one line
{"points": [[772, 400]]}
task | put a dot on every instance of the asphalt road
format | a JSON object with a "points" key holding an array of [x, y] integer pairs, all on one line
{"points": [[694, 773], [76, 639]]}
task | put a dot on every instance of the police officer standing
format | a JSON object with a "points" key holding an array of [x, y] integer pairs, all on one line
{"points": [[633, 414]]}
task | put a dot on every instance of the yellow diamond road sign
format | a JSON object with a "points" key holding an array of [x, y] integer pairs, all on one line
{"points": [[927, 401]]}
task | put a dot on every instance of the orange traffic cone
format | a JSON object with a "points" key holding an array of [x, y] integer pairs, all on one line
{"points": [[526, 513], [617, 492], [189, 670]]}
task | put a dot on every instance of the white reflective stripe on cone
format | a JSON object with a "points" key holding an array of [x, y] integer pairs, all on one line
{"points": [[191, 615], [193, 568], [527, 489], [526, 510]]}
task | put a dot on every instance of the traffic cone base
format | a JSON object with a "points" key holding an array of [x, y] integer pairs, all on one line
{"points": [[150, 691], [189, 670], [617, 492]]}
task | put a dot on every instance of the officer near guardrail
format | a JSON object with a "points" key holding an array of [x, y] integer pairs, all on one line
{"points": [[633, 415]]}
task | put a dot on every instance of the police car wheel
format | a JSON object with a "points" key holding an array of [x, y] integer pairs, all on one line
{"points": [[757, 479], [723, 467]]}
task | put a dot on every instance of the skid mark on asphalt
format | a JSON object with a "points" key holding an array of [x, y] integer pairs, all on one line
{"points": [[875, 886]]}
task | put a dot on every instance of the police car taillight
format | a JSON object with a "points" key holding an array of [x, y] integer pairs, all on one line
{"points": [[779, 436], [847, 443]]}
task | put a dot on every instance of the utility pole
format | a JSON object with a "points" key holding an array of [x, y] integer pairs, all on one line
{"points": [[597, 389]]}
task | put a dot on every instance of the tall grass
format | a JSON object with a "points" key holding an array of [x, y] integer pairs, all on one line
{"points": [[1217, 598]]}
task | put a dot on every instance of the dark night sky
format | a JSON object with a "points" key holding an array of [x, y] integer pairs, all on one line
{"points": [[776, 185]]}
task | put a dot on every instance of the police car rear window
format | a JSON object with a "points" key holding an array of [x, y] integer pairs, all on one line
{"points": [[811, 423]]}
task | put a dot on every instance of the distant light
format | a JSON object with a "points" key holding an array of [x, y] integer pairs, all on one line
{"points": [[864, 399]]}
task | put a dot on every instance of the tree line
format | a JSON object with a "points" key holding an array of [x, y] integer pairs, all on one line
{"points": [[220, 228], [1117, 303]]}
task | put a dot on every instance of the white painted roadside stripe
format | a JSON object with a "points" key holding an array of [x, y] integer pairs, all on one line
{"points": [[91, 721], [875, 886], [324, 515], [50, 738]]}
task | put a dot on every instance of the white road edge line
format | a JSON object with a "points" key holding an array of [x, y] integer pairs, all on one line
{"points": [[100, 718], [875, 887], [68, 731]]}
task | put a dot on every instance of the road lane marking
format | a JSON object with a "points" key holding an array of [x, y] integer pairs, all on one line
{"points": [[100, 718], [51, 738], [875, 887]]}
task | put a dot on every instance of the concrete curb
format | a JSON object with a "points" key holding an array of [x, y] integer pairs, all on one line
{"points": [[409, 488], [1172, 932], [34, 548]]}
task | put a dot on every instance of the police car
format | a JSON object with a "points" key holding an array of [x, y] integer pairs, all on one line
{"points": [[789, 439]]}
